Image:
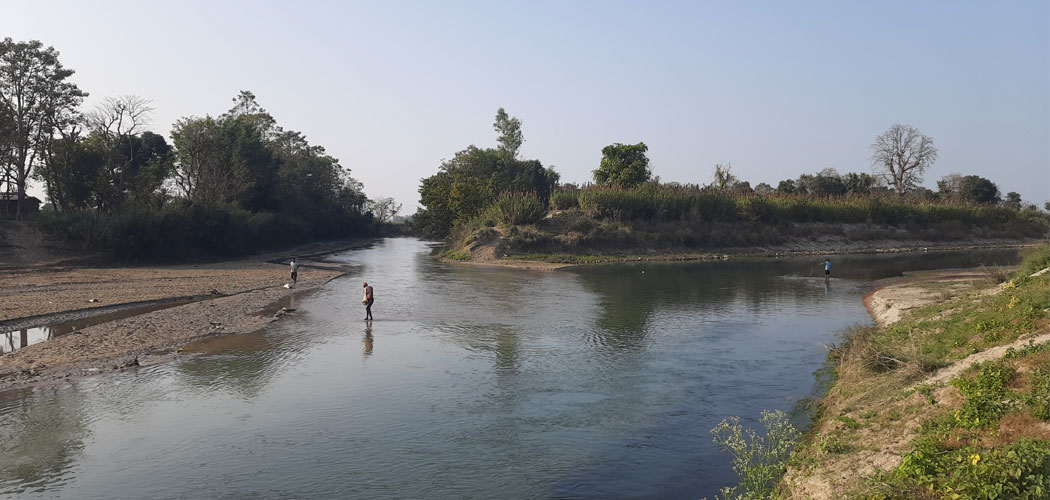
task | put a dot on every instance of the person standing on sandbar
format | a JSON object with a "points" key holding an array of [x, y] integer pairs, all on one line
{"points": [[295, 271], [367, 301]]}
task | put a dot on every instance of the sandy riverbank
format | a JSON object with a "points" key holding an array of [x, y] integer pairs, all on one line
{"points": [[226, 298]]}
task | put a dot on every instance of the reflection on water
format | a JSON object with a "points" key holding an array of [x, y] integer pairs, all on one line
{"points": [[596, 383], [368, 342]]}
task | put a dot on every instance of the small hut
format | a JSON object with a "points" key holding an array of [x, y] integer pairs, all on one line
{"points": [[9, 206]]}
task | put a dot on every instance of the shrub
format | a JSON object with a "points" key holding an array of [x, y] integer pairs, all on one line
{"points": [[985, 396], [1017, 470], [759, 460]]}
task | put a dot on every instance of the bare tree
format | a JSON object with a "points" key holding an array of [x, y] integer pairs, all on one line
{"points": [[383, 209], [901, 154], [116, 121]]}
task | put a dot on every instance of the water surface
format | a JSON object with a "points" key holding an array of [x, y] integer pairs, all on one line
{"points": [[472, 383]]}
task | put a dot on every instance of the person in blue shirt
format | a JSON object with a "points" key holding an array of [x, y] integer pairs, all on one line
{"points": [[827, 270]]}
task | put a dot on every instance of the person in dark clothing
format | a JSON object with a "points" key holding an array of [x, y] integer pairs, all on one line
{"points": [[367, 300]]}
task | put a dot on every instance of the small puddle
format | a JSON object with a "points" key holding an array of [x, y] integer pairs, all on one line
{"points": [[18, 339]]}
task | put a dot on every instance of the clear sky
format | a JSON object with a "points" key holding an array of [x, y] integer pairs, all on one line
{"points": [[777, 88]]}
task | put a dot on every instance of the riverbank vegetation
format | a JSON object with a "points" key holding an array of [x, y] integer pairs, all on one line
{"points": [[488, 200], [891, 427], [223, 186]]}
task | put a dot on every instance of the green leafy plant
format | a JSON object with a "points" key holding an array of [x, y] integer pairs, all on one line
{"points": [[758, 459]]}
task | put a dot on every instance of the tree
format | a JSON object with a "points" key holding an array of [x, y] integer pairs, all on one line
{"points": [[787, 186], [201, 172], [764, 188], [901, 154], [978, 190], [510, 138], [949, 185], [34, 91], [1013, 200], [69, 170], [859, 183], [624, 165], [135, 161], [383, 209], [724, 180]]}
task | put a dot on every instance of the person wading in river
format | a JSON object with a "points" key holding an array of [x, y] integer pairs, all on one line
{"points": [[827, 270], [295, 271], [367, 301]]}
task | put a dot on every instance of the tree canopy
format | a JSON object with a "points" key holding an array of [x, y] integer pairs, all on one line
{"points": [[624, 165], [36, 102], [473, 179]]}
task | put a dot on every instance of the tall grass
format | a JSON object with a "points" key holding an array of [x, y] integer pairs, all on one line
{"points": [[672, 203], [518, 208]]}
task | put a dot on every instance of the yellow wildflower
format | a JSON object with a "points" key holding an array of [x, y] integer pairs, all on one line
{"points": [[975, 458]]}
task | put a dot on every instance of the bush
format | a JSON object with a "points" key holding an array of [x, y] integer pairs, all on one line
{"points": [[759, 460], [1017, 470]]}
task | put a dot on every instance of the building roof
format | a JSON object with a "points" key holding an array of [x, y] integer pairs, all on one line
{"points": [[14, 197]]}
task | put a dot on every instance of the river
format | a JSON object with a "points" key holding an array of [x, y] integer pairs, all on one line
{"points": [[471, 383]]}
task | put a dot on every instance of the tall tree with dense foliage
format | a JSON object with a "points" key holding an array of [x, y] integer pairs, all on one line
{"points": [[978, 190], [624, 165], [475, 177], [901, 154], [34, 93], [510, 137]]}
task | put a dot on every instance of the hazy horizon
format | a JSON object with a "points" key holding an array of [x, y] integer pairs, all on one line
{"points": [[776, 89]]}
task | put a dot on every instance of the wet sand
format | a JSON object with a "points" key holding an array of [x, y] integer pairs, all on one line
{"points": [[226, 298]]}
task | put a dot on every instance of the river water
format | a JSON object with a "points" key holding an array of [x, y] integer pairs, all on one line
{"points": [[471, 383]]}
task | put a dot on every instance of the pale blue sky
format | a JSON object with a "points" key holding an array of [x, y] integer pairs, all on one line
{"points": [[777, 88]]}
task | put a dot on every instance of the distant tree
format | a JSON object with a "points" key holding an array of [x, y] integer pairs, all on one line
{"points": [[470, 182], [859, 183], [919, 193], [383, 209], [1046, 206], [827, 182], [623, 165], [724, 179], [949, 185], [1012, 200], [69, 169], [902, 154], [34, 91], [202, 174], [510, 137], [764, 189], [787, 186], [135, 162], [978, 190]]}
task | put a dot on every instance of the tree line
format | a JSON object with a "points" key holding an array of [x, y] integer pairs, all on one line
{"points": [[479, 182], [105, 162]]}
